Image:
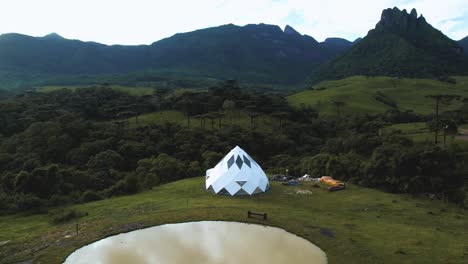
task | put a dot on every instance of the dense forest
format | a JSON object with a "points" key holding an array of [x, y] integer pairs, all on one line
{"points": [[75, 146]]}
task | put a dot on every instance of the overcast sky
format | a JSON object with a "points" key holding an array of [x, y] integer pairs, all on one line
{"points": [[145, 21]]}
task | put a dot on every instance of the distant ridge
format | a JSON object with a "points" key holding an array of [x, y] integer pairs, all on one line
{"points": [[53, 36], [464, 44], [403, 45], [257, 53]]}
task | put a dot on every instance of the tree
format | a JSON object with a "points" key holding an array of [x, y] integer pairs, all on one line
{"points": [[187, 107], [251, 111], [220, 116], [105, 160], [281, 116], [212, 116], [339, 105], [160, 169], [229, 107], [211, 158], [440, 99]]}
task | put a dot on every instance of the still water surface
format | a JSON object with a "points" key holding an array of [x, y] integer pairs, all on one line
{"points": [[202, 243]]}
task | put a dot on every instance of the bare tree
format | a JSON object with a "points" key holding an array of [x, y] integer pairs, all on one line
{"points": [[439, 99], [212, 117], [220, 116], [252, 114], [339, 105], [280, 116], [229, 107]]}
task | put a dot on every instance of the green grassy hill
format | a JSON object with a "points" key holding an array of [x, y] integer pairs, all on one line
{"points": [[419, 132], [357, 225], [378, 94]]}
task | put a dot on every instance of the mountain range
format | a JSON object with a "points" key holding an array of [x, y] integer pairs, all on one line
{"points": [[402, 44], [261, 52]]}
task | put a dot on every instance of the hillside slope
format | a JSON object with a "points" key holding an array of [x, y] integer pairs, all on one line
{"points": [[403, 45], [378, 94], [464, 44], [358, 224]]}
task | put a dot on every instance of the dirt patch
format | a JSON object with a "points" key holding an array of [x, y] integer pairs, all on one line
{"points": [[133, 226]]}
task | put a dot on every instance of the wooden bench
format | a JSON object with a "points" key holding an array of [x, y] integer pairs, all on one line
{"points": [[250, 214]]}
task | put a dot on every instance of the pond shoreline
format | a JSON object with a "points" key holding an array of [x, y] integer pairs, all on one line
{"points": [[202, 242]]}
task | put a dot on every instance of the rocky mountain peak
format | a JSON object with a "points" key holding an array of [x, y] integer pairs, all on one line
{"points": [[291, 31], [401, 21]]}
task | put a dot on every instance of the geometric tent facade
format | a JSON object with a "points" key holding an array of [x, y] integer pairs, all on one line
{"points": [[237, 174]]}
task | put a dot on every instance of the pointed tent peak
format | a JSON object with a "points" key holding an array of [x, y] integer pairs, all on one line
{"points": [[414, 13], [237, 149], [239, 156]]}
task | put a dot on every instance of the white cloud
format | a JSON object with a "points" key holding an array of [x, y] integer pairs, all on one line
{"points": [[144, 21]]}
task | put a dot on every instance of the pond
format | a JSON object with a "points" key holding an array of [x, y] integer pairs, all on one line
{"points": [[206, 242]]}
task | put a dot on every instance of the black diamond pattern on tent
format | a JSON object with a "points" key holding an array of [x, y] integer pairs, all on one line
{"points": [[239, 162], [257, 190], [211, 189], [230, 162], [223, 191], [241, 192], [241, 183], [247, 161]]}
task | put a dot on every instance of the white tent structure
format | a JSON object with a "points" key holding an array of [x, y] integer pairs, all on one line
{"points": [[237, 174]]}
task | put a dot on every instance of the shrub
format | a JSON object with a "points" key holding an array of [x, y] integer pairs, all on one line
{"points": [[29, 202], [65, 215], [386, 100], [57, 200], [90, 196]]}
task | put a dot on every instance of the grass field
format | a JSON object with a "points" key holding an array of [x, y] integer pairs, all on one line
{"points": [[240, 118], [359, 94], [419, 132], [357, 225], [136, 91]]}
